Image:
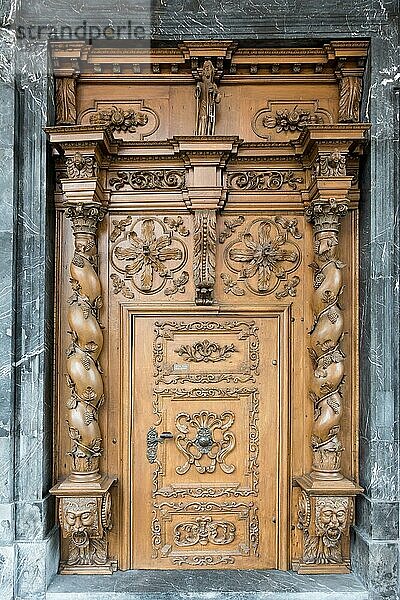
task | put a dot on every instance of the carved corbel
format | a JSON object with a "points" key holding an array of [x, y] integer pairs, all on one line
{"points": [[204, 255], [325, 521]]}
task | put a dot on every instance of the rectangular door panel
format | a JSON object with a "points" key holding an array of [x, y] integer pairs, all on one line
{"points": [[205, 442]]}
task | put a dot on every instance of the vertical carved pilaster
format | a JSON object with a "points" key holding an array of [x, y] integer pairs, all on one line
{"points": [[326, 335], [65, 100], [204, 255], [84, 497]]}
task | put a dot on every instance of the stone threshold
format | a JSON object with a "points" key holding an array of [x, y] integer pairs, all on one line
{"points": [[206, 585]]}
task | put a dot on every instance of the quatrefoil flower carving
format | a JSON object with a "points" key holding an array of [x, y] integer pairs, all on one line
{"points": [[145, 253], [264, 254]]}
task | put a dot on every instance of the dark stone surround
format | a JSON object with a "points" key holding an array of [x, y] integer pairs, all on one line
{"points": [[28, 538]]}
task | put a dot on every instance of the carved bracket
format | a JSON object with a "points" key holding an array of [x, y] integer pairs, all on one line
{"points": [[325, 521], [204, 255]]}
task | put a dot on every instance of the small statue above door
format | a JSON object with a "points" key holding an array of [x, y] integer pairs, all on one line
{"points": [[207, 97]]}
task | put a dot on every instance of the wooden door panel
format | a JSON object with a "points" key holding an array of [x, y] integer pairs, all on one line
{"points": [[206, 496]]}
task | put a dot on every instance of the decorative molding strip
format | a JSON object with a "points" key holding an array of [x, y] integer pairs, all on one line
{"points": [[263, 180], [162, 179], [326, 334], [204, 255]]}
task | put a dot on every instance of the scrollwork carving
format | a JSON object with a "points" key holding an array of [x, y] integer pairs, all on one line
{"points": [[204, 255], [206, 351], [230, 225], [205, 445], [263, 180], [204, 531], [177, 285], [162, 179], [326, 334], [263, 256]]}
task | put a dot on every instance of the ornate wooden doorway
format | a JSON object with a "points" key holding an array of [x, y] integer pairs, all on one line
{"points": [[201, 182]]}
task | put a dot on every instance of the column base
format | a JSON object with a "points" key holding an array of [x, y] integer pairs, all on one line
{"points": [[85, 517], [325, 514]]}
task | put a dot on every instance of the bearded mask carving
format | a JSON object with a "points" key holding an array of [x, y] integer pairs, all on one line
{"points": [[81, 520], [331, 519]]}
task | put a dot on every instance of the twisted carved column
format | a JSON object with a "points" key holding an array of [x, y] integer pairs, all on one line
{"points": [[84, 372], [326, 335]]}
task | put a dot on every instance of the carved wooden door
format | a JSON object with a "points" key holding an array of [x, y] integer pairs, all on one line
{"points": [[206, 426]]}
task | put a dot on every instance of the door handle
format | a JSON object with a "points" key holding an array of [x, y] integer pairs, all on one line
{"points": [[153, 439]]}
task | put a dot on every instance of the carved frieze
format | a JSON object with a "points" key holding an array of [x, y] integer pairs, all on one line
{"points": [[263, 180], [147, 254], [204, 255], [262, 256], [146, 180]]}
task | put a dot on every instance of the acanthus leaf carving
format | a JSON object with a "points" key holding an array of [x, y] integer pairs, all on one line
{"points": [[65, 100], [350, 97], [204, 255], [331, 165], [177, 285], [230, 225], [206, 351]]}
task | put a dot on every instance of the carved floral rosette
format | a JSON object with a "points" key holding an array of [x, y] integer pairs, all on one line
{"points": [[85, 522], [84, 373], [326, 336], [324, 521]]}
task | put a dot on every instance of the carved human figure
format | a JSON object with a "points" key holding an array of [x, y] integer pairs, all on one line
{"points": [[208, 97]]}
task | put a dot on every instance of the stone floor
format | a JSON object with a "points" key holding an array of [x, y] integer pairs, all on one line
{"points": [[206, 585]]}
